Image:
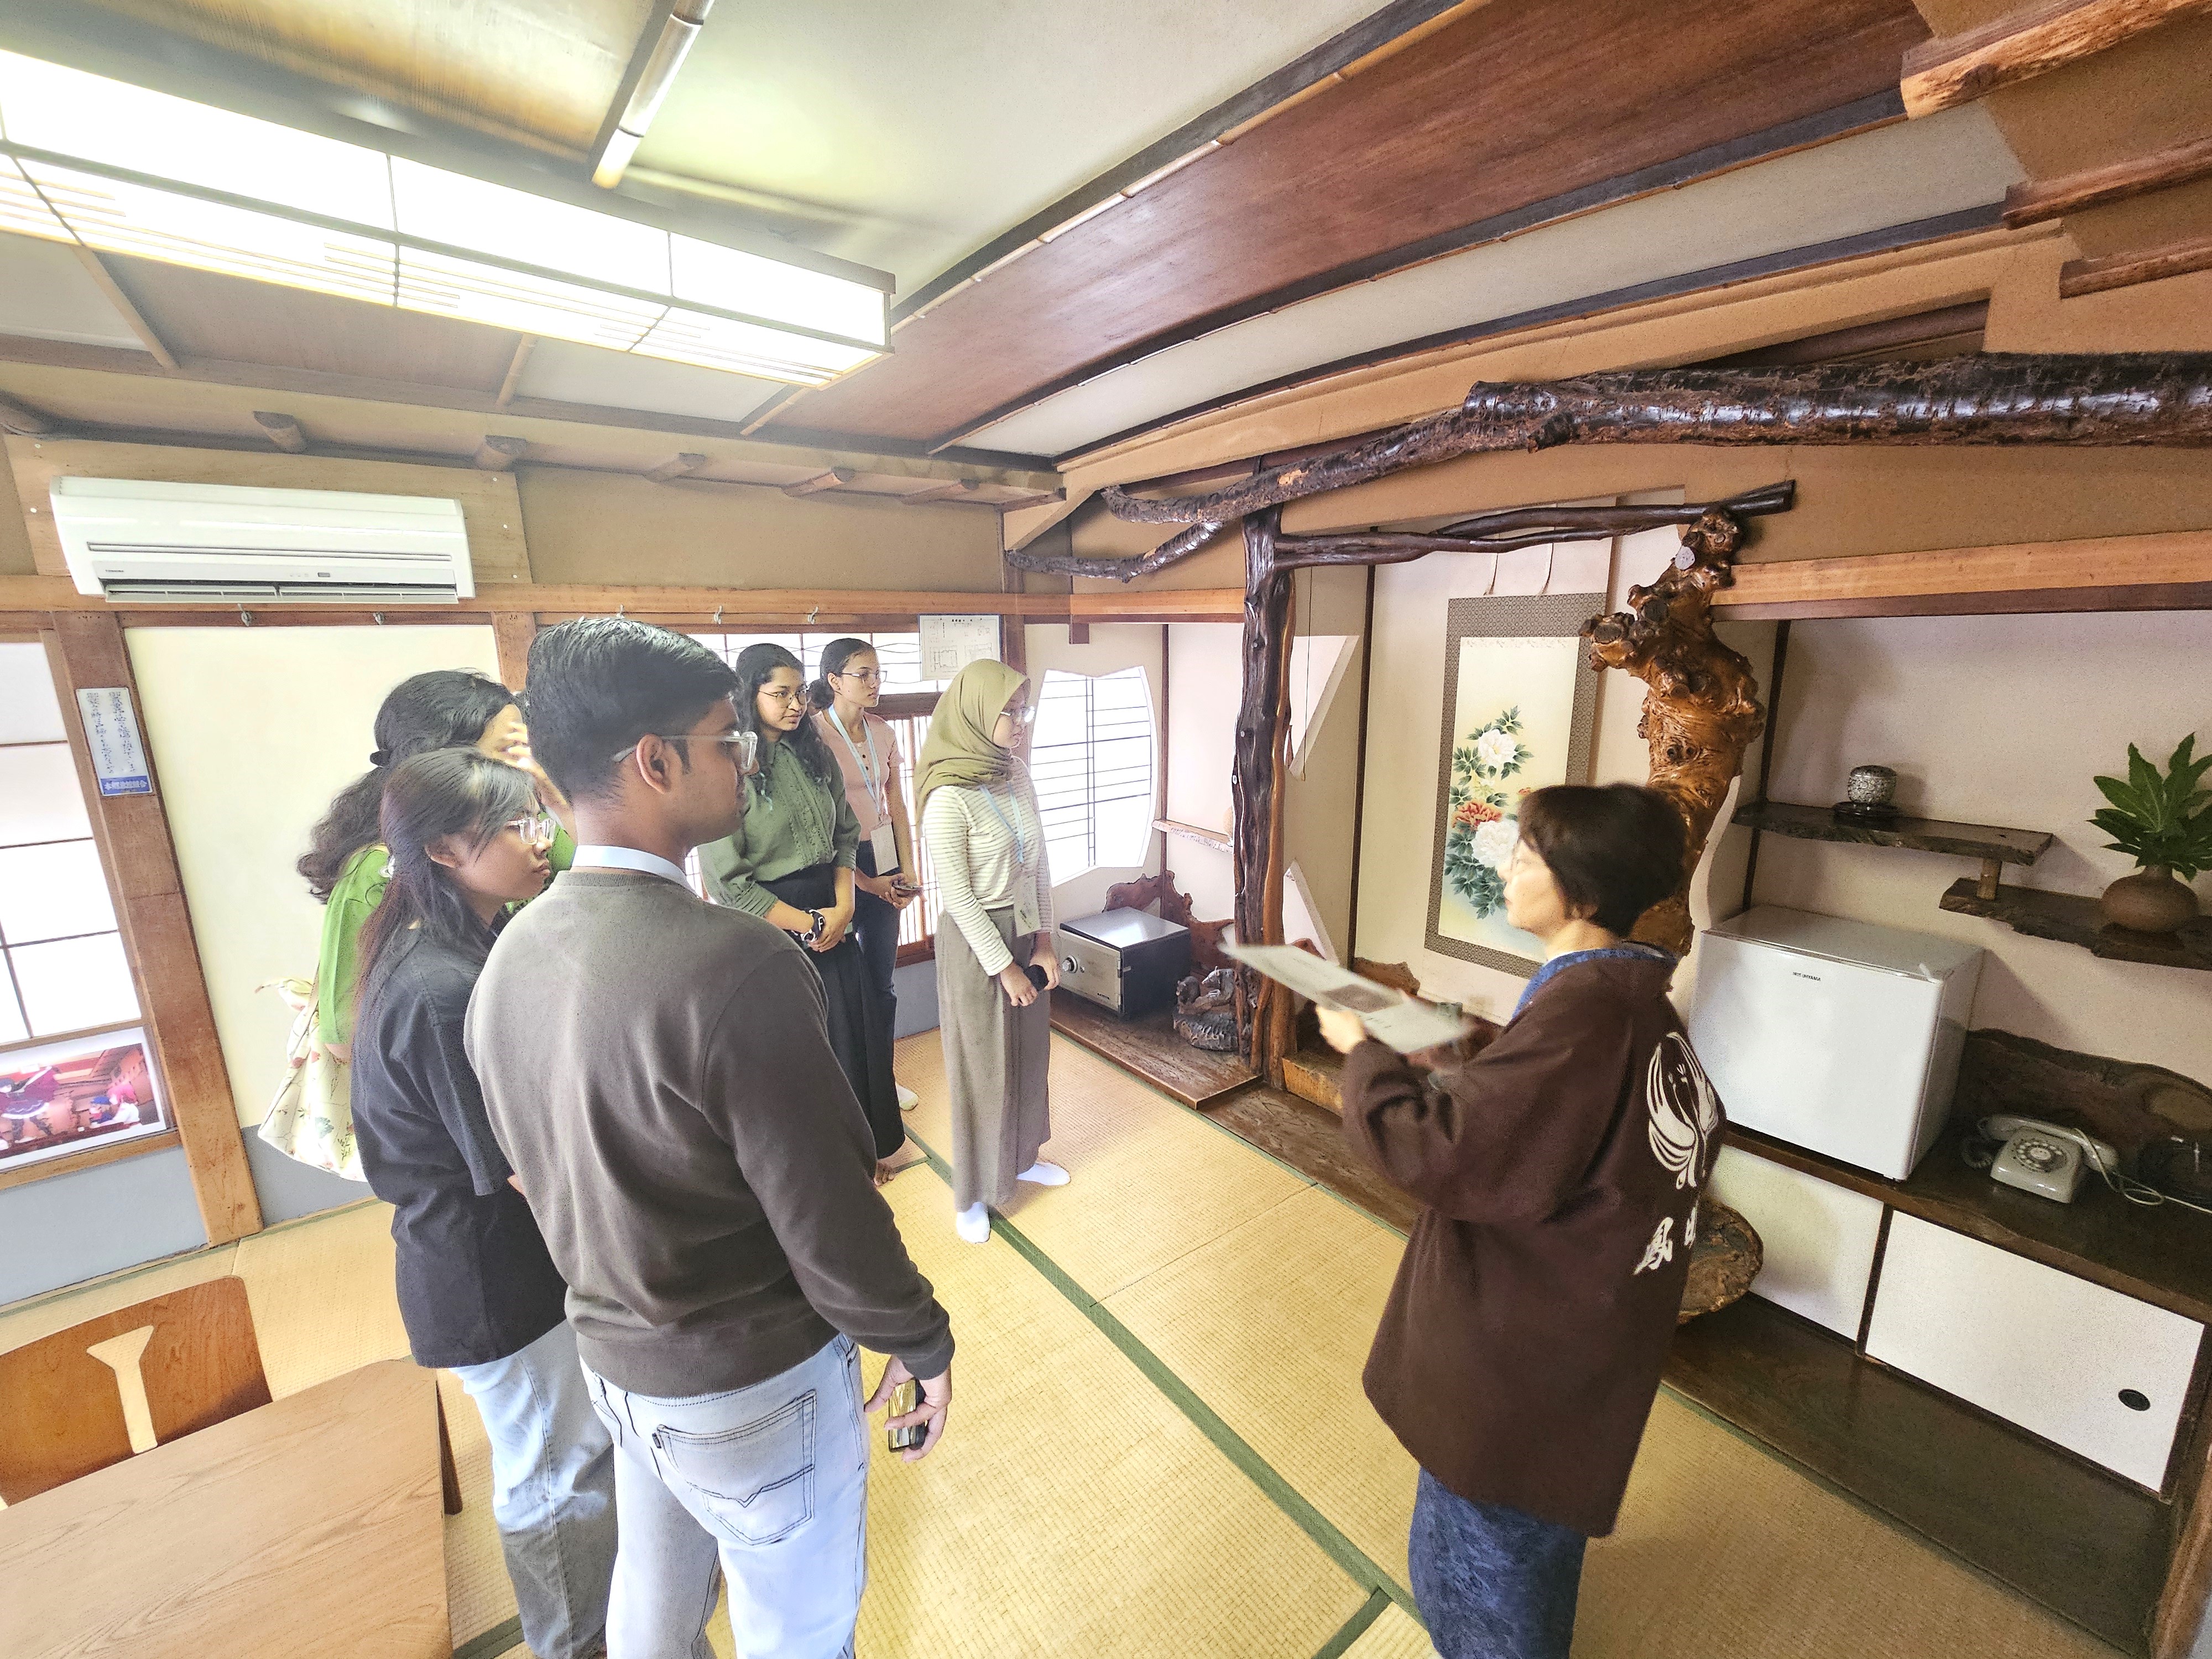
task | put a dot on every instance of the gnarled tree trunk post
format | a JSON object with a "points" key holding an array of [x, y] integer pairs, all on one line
{"points": [[1262, 715], [1701, 709]]}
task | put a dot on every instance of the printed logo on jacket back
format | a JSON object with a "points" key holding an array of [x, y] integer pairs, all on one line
{"points": [[1684, 1126]]}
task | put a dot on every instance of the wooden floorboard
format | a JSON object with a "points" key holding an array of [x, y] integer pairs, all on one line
{"points": [[1311, 1140], [1149, 1047], [2083, 1543]]}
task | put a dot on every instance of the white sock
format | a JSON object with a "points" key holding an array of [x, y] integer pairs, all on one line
{"points": [[1041, 1173], [973, 1224]]}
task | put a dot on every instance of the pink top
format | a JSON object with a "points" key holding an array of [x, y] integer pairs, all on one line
{"points": [[852, 761]]}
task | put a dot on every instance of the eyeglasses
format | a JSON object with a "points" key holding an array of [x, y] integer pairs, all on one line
{"points": [[536, 827], [872, 676], [1023, 714], [744, 746], [782, 695]]}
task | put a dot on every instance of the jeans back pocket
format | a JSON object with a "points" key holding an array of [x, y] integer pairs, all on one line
{"points": [[757, 1481]]}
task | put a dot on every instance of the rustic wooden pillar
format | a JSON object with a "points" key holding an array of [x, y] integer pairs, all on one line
{"points": [[1261, 718], [133, 832], [513, 631]]}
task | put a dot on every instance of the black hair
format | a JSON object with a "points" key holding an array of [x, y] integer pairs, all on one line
{"points": [[438, 709], [448, 791], [599, 683], [835, 655], [1615, 849], [755, 663]]}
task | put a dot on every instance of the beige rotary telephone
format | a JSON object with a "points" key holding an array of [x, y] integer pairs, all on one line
{"points": [[2047, 1158]]}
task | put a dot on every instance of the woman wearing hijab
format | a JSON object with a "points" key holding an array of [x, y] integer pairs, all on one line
{"points": [[791, 863], [986, 839]]}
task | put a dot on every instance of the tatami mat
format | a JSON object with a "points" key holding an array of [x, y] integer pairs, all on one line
{"points": [[1119, 1219], [1395, 1635], [1270, 1323]]}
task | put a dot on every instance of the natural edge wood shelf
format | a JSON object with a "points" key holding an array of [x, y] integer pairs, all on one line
{"points": [[1970, 841], [2160, 1254], [1218, 838], [2071, 919], [2085, 1543]]}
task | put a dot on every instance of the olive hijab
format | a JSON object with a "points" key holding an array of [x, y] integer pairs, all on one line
{"points": [[959, 750]]}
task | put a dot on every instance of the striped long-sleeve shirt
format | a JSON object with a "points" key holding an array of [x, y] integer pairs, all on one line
{"points": [[971, 840]]}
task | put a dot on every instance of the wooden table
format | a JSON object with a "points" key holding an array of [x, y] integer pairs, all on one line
{"points": [[311, 1526]]}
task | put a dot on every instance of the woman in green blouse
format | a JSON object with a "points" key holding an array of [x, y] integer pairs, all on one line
{"points": [[791, 863], [444, 708]]}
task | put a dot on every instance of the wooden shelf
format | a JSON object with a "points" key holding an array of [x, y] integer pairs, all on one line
{"points": [[1970, 841], [2085, 1543], [1218, 838], [2071, 919], [2160, 1254]]}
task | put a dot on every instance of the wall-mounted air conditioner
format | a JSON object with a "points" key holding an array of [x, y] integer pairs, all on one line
{"points": [[230, 544]]}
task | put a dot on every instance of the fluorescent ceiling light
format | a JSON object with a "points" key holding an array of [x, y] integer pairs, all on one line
{"points": [[127, 170], [615, 158]]}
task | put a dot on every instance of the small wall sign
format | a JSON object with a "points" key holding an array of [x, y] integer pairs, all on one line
{"points": [[949, 644], [111, 732]]}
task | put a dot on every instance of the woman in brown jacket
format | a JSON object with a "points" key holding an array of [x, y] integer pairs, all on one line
{"points": [[1521, 1348]]}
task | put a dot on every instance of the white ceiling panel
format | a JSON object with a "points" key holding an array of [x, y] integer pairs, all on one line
{"points": [[1892, 176], [906, 137], [584, 374], [46, 293]]}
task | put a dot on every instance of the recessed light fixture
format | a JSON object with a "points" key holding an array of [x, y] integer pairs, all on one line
{"points": [[124, 170]]}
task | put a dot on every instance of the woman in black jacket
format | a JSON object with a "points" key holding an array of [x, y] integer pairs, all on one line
{"points": [[478, 1292]]}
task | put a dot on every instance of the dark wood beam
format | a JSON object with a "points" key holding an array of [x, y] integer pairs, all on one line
{"points": [[1175, 548], [282, 430], [675, 466], [23, 419], [2140, 399], [2038, 199], [2020, 45], [1262, 722], [835, 478], [2080, 276], [497, 455]]}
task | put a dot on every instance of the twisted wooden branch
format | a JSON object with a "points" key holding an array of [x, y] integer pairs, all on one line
{"points": [[1120, 570], [2145, 398]]}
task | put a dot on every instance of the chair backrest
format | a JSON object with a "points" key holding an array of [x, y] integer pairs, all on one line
{"points": [[64, 1407]]}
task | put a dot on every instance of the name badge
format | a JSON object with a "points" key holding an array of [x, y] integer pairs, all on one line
{"points": [[1028, 914], [883, 843]]}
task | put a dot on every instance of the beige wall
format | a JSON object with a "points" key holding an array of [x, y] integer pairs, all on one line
{"points": [[253, 730], [1319, 808], [15, 557], [1999, 720], [1202, 698], [606, 527]]}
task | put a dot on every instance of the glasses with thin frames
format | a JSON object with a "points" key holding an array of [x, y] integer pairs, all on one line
{"points": [[1023, 714], [869, 676], [744, 746], [536, 828]]}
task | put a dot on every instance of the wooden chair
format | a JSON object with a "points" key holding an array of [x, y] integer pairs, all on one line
{"points": [[65, 1406]]}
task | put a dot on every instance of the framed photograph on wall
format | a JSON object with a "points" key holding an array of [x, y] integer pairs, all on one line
{"points": [[73, 1095], [1520, 710]]}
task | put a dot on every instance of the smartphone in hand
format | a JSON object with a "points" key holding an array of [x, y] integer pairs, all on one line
{"points": [[904, 1398]]}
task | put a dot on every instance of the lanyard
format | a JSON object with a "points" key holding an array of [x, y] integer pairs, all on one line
{"points": [[1021, 847], [878, 794]]}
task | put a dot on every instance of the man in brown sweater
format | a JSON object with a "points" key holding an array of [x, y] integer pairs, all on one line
{"points": [[657, 1071]]}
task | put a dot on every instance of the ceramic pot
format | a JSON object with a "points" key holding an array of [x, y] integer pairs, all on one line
{"points": [[2150, 902], [1871, 786]]}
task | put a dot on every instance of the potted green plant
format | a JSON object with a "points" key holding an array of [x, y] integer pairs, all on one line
{"points": [[2165, 823]]}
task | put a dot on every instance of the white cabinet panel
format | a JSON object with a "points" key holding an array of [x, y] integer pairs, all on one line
{"points": [[1819, 1237], [2100, 1373]]}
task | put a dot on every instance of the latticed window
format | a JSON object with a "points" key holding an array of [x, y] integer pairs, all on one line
{"points": [[1091, 758]]}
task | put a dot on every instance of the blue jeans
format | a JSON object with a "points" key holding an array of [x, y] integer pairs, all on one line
{"points": [[553, 1491], [770, 1481], [1490, 1581]]}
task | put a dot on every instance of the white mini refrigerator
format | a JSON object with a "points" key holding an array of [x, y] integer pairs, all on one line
{"points": [[1839, 1036]]}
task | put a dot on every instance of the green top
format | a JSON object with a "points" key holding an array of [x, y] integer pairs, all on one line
{"points": [[354, 897], [793, 821]]}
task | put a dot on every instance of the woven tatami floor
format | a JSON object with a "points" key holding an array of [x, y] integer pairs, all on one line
{"points": [[1159, 1445]]}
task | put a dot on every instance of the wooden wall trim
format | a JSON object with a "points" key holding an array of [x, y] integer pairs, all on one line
{"points": [[2079, 276], [91, 1157], [2020, 45], [2179, 559], [512, 631], [133, 833], [2040, 199]]}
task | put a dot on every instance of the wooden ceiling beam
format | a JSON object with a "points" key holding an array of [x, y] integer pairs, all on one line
{"points": [[2023, 44], [2040, 199], [835, 478], [523, 348], [497, 455], [675, 466], [952, 489], [2080, 276], [23, 419], [282, 431], [104, 279]]}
